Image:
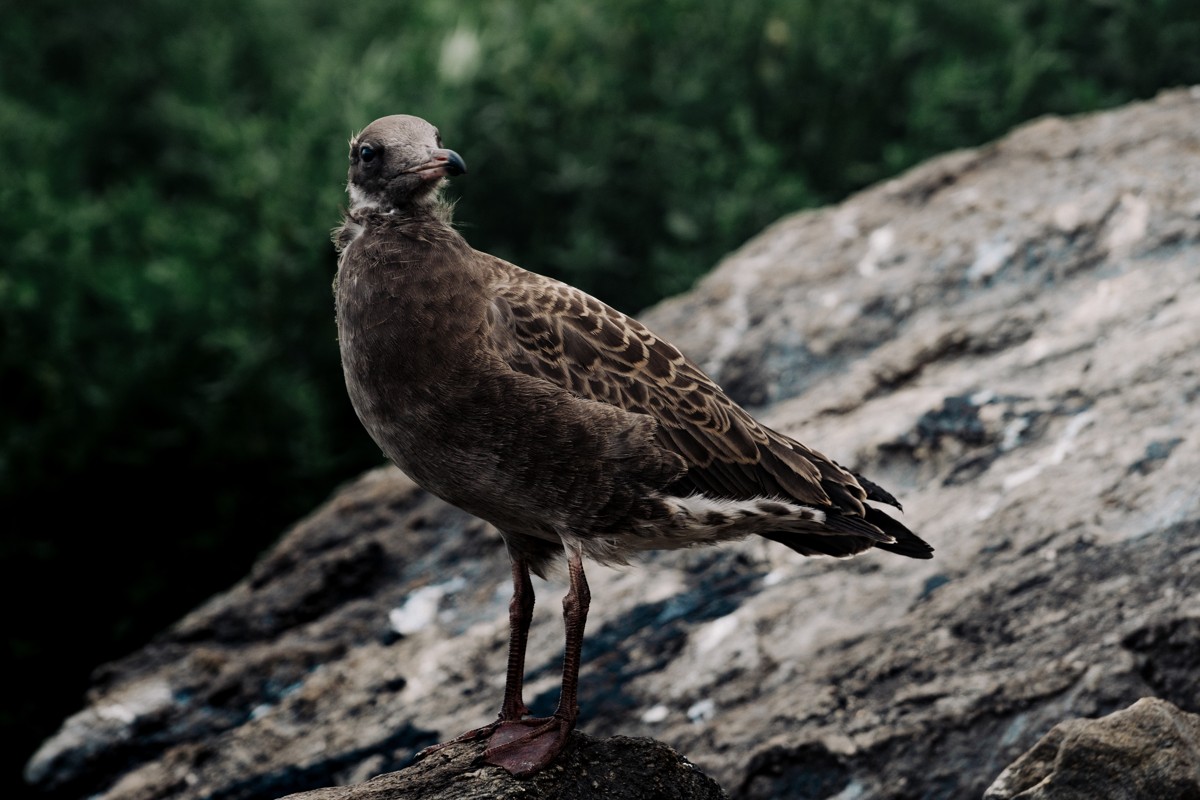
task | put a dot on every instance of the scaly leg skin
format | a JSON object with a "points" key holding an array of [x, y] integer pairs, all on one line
{"points": [[520, 614], [524, 747]]}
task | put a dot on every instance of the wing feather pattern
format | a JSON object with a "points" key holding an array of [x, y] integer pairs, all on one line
{"points": [[550, 330]]}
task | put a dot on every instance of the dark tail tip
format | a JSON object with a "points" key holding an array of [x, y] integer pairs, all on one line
{"points": [[907, 543]]}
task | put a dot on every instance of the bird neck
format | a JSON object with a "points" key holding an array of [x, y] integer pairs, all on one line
{"points": [[421, 222]]}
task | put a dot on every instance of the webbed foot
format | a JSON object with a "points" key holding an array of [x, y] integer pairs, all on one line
{"points": [[525, 747], [470, 736]]}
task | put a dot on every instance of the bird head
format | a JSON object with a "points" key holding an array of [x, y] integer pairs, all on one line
{"points": [[398, 163]]}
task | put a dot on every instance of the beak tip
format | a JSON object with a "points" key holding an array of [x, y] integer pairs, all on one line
{"points": [[455, 164]]}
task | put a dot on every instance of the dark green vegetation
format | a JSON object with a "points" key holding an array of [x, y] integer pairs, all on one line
{"points": [[170, 394]]}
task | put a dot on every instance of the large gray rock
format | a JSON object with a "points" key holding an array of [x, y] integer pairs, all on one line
{"points": [[1007, 337], [1149, 751]]}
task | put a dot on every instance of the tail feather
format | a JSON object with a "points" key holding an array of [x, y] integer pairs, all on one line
{"points": [[695, 519], [826, 545], [876, 492], [907, 543], [877, 529]]}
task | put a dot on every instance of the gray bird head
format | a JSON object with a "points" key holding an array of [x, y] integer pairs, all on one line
{"points": [[398, 163]]}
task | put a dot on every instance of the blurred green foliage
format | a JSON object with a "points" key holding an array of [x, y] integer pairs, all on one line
{"points": [[170, 394]]}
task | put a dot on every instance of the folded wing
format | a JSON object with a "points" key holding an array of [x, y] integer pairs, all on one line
{"points": [[553, 331]]}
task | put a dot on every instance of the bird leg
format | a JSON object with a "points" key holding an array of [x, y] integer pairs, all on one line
{"points": [[526, 746], [520, 615]]}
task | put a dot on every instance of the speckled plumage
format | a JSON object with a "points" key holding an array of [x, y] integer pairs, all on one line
{"points": [[572, 428]]}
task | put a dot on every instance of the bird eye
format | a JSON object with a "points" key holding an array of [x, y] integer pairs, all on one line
{"points": [[366, 152]]}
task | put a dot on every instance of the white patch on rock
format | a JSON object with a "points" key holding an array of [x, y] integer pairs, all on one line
{"points": [[983, 397], [987, 508], [990, 257], [970, 198], [1066, 442], [853, 791], [1067, 217], [140, 701], [710, 636], [1011, 435], [879, 243], [1062, 448], [1015, 479], [773, 577], [702, 710], [112, 719], [1129, 224], [845, 223], [655, 714], [420, 609]]}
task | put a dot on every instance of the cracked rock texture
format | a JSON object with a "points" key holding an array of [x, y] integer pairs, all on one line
{"points": [[1008, 338], [616, 768], [1149, 751]]}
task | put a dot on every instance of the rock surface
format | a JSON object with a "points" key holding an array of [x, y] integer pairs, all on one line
{"points": [[1008, 338], [617, 768], [1149, 751]]}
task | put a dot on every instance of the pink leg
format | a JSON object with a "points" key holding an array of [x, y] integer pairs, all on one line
{"points": [[526, 746], [520, 614]]}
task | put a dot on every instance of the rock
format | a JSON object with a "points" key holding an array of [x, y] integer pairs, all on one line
{"points": [[618, 768], [1148, 751], [1005, 337]]}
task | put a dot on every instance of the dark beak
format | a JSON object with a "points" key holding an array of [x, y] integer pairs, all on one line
{"points": [[442, 163], [454, 163]]}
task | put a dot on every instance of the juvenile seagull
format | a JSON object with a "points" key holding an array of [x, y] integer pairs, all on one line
{"points": [[572, 428]]}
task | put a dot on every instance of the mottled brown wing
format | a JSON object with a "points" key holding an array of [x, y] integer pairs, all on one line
{"points": [[550, 330]]}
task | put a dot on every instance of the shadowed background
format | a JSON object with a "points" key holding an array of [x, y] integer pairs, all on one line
{"points": [[170, 393]]}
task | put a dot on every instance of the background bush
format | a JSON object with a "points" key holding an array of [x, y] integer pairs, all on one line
{"points": [[170, 394]]}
